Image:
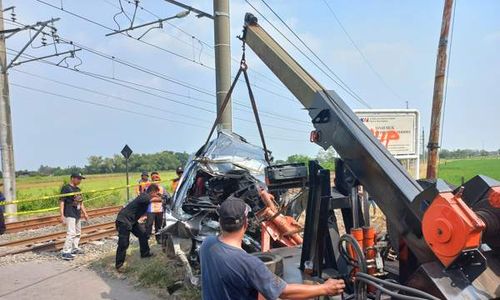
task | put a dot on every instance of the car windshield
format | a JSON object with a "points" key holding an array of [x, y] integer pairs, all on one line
{"points": [[227, 152]]}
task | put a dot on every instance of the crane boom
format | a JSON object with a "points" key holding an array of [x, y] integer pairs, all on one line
{"points": [[438, 225], [372, 164]]}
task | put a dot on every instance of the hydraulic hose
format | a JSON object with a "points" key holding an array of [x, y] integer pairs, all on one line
{"points": [[389, 292], [387, 283], [362, 278], [360, 256], [359, 289]]}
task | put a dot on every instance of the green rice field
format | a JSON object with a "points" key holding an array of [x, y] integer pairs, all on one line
{"points": [[453, 171]]}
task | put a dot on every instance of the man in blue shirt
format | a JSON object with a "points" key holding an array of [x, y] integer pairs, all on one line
{"points": [[228, 272]]}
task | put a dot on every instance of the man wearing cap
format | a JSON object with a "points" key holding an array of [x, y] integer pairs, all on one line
{"points": [[71, 208], [142, 184], [155, 209], [228, 272], [127, 222]]}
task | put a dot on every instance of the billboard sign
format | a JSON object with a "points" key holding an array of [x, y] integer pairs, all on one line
{"points": [[397, 130]]}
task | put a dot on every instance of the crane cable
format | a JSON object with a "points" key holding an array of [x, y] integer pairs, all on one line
{"points": [[243, 69]]}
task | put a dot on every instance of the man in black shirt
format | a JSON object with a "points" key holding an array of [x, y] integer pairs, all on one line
{"points": [[71, 208], [127, 222]]}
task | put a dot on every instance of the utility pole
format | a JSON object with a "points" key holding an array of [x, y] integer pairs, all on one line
{"points": [[222, 61], [6, 141], [437, 99]]}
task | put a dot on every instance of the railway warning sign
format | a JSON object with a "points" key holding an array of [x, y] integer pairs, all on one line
{"points": [[397, 130]]}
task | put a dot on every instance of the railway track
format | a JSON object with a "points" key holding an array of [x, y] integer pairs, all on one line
{"points": [[55, 241], [55, 220]]}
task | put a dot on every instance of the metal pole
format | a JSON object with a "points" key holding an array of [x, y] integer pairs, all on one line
{"points": [[423, 144], [437, 99], [355, 206], [126, 172], [222, 61], [6, 142]]}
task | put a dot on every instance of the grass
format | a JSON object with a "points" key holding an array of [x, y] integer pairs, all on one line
{"points": [[453, 170], [156, 273], [32, 187]]}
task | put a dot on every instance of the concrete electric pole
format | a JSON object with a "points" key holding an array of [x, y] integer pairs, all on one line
{"points": [[437, 99], [6, 142], [222, 61]]}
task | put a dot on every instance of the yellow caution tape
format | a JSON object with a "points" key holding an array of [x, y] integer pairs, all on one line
{"points": [[6, 202], [49, 209]]}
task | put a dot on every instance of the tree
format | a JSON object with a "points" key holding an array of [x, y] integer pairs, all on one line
{"points": [[326, 158], [298, 158]]}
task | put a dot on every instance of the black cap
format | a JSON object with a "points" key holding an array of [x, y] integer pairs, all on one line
{"points": [[179, 170], [144, 174], [233, 211], [77, 175]]}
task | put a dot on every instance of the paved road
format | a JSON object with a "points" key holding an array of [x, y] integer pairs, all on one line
{"points": [[52, 280]]}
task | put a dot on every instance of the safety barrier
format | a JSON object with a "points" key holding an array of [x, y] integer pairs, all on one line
{"points": [[6, 202], [38, 211]]}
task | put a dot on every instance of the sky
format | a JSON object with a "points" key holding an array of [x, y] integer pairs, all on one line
{"points": [[173, 106]]}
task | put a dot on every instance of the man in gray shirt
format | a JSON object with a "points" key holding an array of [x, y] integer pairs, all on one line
{"points": [[228, 272]]}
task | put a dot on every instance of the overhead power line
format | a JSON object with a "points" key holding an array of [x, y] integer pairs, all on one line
{"points": [[193, 36], [95, 76], [110, 80], [124, 34], [337, 80], [102, 105], [144, 42], [185, 84], [93, 91], [165, 77], [132, 65], [363, 56], [71, 98]]}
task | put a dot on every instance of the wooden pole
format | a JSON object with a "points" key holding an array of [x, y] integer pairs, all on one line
{"points": [[437, 99]]}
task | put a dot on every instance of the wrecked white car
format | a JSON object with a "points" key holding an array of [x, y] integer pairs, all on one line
{"points": [[229, 165]]}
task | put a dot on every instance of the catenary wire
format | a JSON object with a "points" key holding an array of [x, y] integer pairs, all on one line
{"points": [[71, 98], [144, 42], [338, 81], [101, 104], [97, 76], [276, 83], [129, 36], [159, 75], [344, 85], [113, 79], [361, 53], [90, 74]]}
